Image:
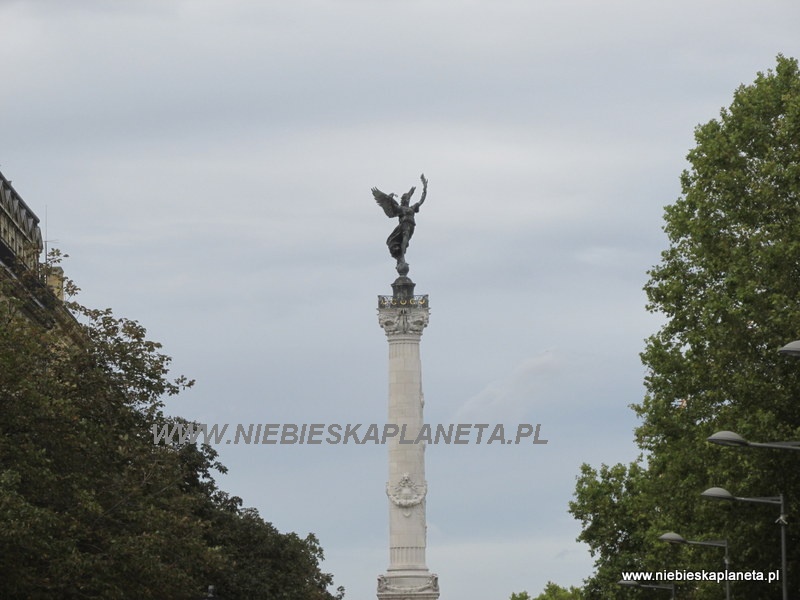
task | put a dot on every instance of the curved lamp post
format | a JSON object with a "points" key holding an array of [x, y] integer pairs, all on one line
{"points": [[674, 538], [632, 583], [722, 494]]}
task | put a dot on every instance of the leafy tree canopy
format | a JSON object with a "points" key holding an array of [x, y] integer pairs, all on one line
{"points": [[729, 286], [91, 508], [553, 591]]}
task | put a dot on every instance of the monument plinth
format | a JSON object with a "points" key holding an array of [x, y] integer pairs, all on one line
{"points": [[403, 316]]}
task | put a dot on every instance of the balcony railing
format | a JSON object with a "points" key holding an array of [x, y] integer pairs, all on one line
{"points": [[411, 301]]}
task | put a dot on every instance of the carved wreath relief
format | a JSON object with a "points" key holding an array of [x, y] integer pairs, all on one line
{"points": [[406, 493]]}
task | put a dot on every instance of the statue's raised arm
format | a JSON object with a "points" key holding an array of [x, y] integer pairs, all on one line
{"points": [[399, 238], [424, 192]]}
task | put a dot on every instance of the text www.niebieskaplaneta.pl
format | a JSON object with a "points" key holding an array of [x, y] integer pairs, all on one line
{"points": [[319, 434]]}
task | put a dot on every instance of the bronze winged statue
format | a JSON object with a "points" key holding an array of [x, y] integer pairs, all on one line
{"points": [[399, 238]]}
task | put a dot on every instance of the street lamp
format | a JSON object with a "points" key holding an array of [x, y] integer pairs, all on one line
{"points": [[674, 538], [730, 438], [791, 349], [722, 494], [632, 583]]}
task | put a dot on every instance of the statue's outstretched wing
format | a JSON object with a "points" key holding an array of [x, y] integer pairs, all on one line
{"points": [[386, 202]]}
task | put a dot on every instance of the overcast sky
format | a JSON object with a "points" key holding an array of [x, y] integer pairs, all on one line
{"points": [[207, 166]]}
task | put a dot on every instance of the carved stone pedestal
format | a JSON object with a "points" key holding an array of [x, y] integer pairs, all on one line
{"points": [[410, 586], [403, 316]]}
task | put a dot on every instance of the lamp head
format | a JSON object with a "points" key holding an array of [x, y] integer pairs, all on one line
{"points": [[727, 438], [672, 538], [718, 493], [791, 349]]}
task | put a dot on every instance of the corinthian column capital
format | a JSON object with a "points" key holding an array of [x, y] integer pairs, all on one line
{"points": [[403, 321]]}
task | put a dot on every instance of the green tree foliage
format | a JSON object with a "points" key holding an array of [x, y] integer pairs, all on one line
{"points": [[616, 522], [552, 591], [729, 287], [90, 507]]}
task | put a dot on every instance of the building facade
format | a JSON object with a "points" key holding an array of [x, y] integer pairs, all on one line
{"points": [[34, 287]]}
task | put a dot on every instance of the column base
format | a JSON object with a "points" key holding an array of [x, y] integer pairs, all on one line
{"points": [[408, 585]]}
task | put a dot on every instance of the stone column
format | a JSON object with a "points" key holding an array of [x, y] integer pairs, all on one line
{"points": [[403, 316]]}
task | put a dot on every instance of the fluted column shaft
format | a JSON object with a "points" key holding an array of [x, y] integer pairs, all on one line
{"points": [[407, 575]]}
